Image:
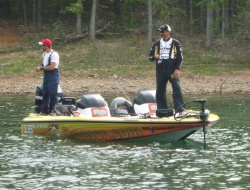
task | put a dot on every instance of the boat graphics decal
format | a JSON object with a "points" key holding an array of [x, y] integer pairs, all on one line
{"points": [[41, 129], [99, 112], [103, 135], [158, 128], [152, 107]]}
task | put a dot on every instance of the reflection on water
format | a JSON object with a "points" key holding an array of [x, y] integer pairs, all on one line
{"points": [[36, 162]]}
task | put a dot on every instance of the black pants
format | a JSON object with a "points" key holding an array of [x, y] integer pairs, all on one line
{"points": [[164, 73]]}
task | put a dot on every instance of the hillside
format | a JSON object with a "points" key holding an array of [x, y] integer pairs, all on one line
{"points": [[17, 77]]}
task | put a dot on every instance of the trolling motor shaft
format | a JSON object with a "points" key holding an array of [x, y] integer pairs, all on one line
{"points": [[203, 115]]}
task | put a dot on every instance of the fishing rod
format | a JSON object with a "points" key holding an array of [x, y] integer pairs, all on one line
{"points": [[119, 86], [17, 82]]}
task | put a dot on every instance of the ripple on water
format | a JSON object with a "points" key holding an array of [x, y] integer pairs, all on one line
{"points": [[36, 162]]}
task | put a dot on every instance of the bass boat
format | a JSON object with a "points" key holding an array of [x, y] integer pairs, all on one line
{"points": [[92, 119]]}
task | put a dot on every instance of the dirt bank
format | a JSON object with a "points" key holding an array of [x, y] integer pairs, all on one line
{"points": [[237, 83]]}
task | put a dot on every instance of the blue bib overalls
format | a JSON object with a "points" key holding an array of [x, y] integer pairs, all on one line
{"points": [[49, 90]]}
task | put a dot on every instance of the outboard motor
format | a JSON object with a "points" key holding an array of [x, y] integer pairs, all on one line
{"points": [[145, 102], [93, 105], [39, 97], [121, 107]]}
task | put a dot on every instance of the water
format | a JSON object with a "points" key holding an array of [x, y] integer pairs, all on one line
{"points": [[35, 162]]}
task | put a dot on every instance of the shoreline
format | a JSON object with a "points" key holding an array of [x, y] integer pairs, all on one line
{"points": [[190, 84]]}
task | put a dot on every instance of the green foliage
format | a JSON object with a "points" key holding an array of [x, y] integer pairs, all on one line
{"points": [[74, 8], [200, 3], [134, 1], [212, 5]]}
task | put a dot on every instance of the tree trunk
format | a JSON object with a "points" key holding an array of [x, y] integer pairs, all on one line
{"points": [[39, 17], [202, 21], [34, 13], [79, 21], [223, 22], [79, 24], [232, 13], [24, 14], [92, 21], [150, 23], [217, 15], [209, 32], [117, 7], [191, 18], [226, 16], [8, 7]]}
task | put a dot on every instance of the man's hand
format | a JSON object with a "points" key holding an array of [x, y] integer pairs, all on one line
{"points": [[157, 56], [176, 74], [38, 69]]}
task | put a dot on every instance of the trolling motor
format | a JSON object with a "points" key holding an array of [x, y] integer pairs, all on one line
{"points": [[203, 115]]}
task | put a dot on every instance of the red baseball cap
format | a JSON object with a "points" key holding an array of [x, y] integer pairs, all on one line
{"points": [[47, 42]]}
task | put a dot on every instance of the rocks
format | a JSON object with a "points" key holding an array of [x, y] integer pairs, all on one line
{"points": [[191, 84]]}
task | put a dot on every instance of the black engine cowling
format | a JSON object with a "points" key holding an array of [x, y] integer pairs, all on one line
{"points": [[91, 100]]}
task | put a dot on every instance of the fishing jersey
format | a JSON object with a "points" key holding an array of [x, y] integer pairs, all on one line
{"points": [[167, 49]]}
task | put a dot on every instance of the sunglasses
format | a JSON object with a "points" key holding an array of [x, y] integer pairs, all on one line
{"points": [[162, 31]]}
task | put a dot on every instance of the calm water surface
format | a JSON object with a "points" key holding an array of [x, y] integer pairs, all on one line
{"points": [[35, 162]]}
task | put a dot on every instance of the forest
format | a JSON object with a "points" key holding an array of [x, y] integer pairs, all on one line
{"points": [[109, 34], [71, 20]]}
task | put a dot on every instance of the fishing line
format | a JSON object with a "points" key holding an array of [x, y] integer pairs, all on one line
{"points": [[119, 86], [10, 120], [18, 81]]}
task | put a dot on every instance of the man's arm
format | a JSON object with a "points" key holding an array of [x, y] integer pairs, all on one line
{"points": [[154, 52], [178, 54], [47, 68]]}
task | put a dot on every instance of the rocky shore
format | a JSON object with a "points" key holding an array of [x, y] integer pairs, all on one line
{"points": [[191, 84]]}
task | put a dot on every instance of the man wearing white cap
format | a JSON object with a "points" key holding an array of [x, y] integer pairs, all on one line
{"points": [[167, 53], [51, 76]]}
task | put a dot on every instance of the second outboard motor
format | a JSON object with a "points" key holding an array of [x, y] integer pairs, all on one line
{"points": [[145, 102], [39, 97], [93, 105], [91, 100], [145, 96]]}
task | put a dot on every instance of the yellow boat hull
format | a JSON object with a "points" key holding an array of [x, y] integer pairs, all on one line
{"points": [[114, 128]]}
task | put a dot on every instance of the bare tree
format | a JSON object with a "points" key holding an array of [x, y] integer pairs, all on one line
{"points": [[191, 18], [24, 13], [79, 20], [202, 21], [150, 23], [223, 22], [209, 32], [39, 18], [117, 7], [92, 21], [226, 17], [34, 13], [217, 15]]}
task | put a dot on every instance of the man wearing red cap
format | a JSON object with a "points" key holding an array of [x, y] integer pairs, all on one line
{"points": [[51, 76], [167, 53]]}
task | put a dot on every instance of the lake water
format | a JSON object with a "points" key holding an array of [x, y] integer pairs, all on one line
{"points": [[36, 162]]}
